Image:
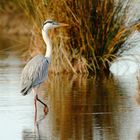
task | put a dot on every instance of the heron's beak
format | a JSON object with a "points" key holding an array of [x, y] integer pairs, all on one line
{"points": [[63, 24]]}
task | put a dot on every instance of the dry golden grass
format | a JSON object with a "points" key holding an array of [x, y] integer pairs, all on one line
{"points": [[96, 31]]}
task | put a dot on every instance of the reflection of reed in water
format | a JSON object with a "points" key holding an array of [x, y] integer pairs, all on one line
{"points": [[138, 137], [76, 104], [67, 101], [104, 106]]}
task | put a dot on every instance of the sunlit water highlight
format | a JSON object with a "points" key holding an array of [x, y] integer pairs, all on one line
{"points": [[80, 108]]}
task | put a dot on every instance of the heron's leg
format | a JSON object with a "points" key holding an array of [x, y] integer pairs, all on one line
{"points": [[46, 109], [35, 91], [35, 103]]}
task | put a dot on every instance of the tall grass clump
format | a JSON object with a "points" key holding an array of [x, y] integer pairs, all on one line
{"points": [[96, 31]]}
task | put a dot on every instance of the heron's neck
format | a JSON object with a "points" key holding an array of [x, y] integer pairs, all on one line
{"points": [[48, 45]]}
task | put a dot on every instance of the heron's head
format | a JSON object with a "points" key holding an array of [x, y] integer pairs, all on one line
{"points": [[50, 24]]}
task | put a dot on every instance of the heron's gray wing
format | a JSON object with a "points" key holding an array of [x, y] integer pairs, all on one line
{"points": [[34, 73]]}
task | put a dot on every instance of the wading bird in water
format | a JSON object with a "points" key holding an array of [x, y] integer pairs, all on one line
{"points": [[36, 70]]}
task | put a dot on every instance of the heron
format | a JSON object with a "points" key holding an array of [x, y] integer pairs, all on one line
{"points": [[35, 71]]}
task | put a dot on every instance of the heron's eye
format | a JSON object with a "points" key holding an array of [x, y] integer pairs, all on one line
{"points": [[55, 23]]}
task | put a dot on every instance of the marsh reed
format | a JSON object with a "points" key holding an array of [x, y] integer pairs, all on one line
{"points": [[96, 31]]}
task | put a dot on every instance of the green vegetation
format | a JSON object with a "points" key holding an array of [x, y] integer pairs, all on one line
{"points": [[96, 31]]}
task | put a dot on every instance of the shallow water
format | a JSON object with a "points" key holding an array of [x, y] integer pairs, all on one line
{"points": [[80, 108]]}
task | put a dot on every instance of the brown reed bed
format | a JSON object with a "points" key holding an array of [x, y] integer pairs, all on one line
{"points": [[96, 31]]}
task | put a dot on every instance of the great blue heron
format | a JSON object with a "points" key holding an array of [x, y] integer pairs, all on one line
{"points": [[36, 70]]}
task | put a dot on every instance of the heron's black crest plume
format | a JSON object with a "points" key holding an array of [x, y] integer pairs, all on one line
{"points": [[47, 21]]}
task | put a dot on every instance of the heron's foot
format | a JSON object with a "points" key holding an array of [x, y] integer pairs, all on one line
{"points": [[46, 110]]}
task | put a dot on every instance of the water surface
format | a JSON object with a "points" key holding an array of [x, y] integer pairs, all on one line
{"points": [[80, 107]]}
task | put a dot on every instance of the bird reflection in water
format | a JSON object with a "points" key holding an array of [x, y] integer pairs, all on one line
{"points": [[37, 133]]}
